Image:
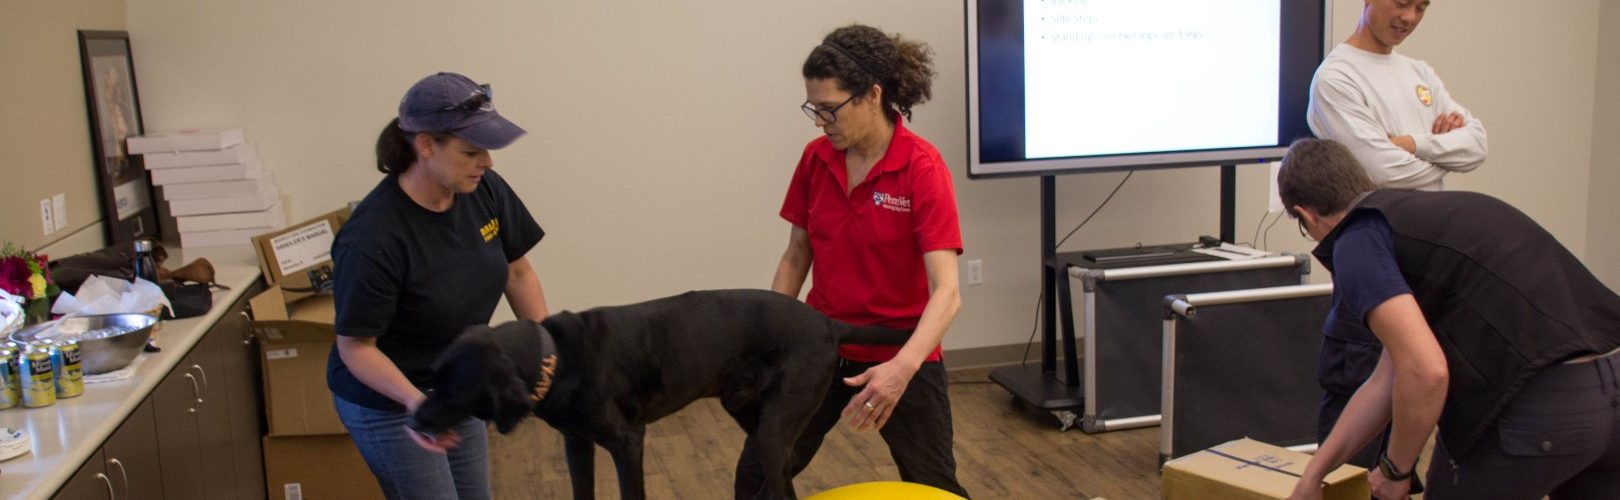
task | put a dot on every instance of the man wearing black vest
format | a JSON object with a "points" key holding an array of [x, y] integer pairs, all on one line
{"points": [[1491, 329]]}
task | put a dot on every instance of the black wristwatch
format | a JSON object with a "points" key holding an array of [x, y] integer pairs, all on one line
{"points": [[1390, 471]]}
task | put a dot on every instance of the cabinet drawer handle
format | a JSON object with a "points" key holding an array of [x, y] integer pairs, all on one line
{"points": [[204, 382], [121, 473], [104, 479], [247, 328], [195, 391]]}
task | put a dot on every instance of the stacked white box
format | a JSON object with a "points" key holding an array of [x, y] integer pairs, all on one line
{"points": [[214, 185]]}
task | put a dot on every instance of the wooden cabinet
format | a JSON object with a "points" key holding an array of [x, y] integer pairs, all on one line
{"points": [[230, 423], [90, 483], [197, 436], [208, 416], [125, 468], [178, 401], [245, 404]]}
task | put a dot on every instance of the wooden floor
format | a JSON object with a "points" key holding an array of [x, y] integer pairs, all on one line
{"points": [[1001, 452]]}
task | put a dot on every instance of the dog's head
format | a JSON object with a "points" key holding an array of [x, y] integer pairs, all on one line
{"points": [[488, 373]]}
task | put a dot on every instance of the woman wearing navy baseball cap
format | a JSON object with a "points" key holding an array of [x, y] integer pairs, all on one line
{"points": [[428, 253]]}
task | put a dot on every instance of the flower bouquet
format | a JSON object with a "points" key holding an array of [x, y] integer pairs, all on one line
{"points": [[26, 275]]}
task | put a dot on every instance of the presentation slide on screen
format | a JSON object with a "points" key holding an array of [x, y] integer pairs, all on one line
{"points": [[1133, 76]]}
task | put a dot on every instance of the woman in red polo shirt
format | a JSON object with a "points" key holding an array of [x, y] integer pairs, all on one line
{"points": [[874, 219]]}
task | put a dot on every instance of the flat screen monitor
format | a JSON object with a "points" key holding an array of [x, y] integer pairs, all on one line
{"points": [[1067, 86]]}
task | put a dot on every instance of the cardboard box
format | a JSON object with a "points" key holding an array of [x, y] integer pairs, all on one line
{"points": [[255, 202], [187, 140], [220, 238], [1249, 469], [294, 326], [298, 467], [234, 171], [263, 221], [254, 183], [294, 341], [240, 153], [289, 256]]}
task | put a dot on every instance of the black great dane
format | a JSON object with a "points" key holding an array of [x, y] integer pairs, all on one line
{"points": [[600, 376]]}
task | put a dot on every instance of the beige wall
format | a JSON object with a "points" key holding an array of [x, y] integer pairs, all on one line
{"points": [[43, 129], [1603, 218], [662, 134]]}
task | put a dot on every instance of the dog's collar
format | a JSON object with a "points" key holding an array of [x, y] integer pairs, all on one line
{"points": [[546, 368]]}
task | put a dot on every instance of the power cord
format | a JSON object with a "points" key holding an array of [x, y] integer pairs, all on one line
{"points": [[1094, 212], [1253, 242], [1267, 246], [1040, 298]]}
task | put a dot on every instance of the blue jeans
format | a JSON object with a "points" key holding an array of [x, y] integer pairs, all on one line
{"points": [[405, 470]]}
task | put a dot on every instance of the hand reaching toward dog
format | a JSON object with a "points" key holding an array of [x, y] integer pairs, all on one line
{"points": [[885, 383], [437, 443], [434, 443]]}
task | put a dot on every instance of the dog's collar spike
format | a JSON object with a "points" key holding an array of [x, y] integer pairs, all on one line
{"points": [[548, 367]]}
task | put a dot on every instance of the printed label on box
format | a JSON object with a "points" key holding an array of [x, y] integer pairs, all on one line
{"points": [[281, 353], [304, 247], [272, 333]]}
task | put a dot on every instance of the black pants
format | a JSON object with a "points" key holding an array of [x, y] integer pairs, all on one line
{"points": [[1559, 436], [1341, 369], [918, 432]]}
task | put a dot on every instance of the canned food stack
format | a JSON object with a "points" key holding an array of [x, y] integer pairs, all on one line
{"points": [[213, 185], [36, 374]]}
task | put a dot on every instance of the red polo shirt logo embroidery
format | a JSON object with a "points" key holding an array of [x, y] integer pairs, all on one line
{"points": [[892, 203]]}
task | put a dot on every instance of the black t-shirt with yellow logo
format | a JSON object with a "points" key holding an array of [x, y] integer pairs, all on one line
{"points": [[414, 278]]}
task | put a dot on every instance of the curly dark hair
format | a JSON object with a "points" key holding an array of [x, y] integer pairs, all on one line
{"points": [[1320, 175], [859, 56], [396, 151]]}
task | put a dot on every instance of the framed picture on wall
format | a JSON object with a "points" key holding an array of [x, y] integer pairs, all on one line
{"points": [[115, 114]]}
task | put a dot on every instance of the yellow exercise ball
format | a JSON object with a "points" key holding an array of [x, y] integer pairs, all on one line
{"points": [[886, 490]]}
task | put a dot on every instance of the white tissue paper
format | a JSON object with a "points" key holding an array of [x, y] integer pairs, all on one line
{"points": [[11, 313], [102, 295]]}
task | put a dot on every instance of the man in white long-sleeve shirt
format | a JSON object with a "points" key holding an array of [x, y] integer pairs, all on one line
{"points": [[1395, 116], [1392, 111]]}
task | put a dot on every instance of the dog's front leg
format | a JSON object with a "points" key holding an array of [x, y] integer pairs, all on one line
{"points": [[581, 465], [627, 461]]}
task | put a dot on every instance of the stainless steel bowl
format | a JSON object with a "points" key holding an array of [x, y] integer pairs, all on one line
{"points": [[107, 342]]}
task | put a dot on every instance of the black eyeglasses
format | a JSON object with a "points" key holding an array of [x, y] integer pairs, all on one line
{"points": [[1302, 233], [824, 114], [472, 103]]}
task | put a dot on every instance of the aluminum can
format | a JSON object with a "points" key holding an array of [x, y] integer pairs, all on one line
{"points": [[10, 382], [69, 370], [38, 376]]}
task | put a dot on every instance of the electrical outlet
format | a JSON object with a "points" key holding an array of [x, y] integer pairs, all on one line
{"points": [[59, 210], [45, 216], [975, 272]]}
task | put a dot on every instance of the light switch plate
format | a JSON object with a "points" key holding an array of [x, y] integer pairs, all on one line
{"points": [[45, 216], [59, 210]]}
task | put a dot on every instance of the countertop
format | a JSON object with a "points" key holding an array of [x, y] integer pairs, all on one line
{"points": [[67, 433]]}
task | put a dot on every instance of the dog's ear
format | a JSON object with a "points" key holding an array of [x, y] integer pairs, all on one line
{"points": [[566, 324]]}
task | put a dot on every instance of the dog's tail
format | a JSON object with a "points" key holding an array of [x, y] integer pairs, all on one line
{"points": [[869, 334]]}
